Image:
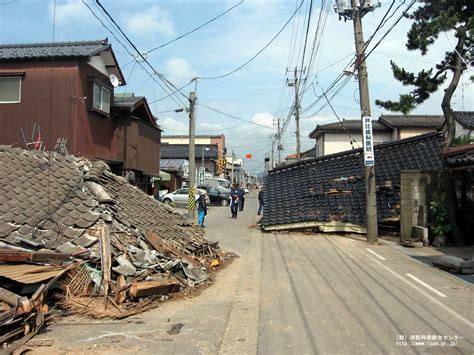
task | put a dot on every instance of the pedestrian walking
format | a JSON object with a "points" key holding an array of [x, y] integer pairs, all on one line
{"points": [[241, 194], [234, 201], [202, 209], [260, 202]]}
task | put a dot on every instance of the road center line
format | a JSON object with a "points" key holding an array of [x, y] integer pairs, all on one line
{"points": [[432, 289], [377, 255], [431, 298]]}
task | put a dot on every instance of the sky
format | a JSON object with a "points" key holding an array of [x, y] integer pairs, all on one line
{"points": [[257, 94]]}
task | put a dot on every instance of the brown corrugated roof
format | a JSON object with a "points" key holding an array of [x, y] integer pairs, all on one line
{"points": [[29, 273]]}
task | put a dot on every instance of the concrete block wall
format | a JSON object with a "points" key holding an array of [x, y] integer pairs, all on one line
{"points": [[416, 191]]}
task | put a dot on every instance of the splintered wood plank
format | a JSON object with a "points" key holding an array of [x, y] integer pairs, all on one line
{"points": [[166, 248]]}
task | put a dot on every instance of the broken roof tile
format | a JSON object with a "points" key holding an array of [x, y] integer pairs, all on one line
{"points": [[52, 209], [330, 188]]}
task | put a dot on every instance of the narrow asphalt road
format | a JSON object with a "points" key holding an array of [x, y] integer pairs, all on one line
{"points": [[293, 293]]}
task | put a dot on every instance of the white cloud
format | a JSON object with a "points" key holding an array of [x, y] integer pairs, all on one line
{"points": [[171, 126], [69, 11], [179, 68], [149, 22], [265, 119]]}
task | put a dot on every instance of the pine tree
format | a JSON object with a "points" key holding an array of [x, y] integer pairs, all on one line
{"points": [[430, 20]]}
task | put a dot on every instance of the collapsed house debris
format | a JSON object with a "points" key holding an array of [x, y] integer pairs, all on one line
{"points": [[328, 193], [73, 233]]}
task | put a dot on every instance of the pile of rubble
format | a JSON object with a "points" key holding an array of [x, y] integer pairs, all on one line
{"points": [[76, 236]]}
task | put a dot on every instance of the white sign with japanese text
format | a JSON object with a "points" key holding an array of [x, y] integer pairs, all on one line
{"points": [[368, 140], [201, 176]]}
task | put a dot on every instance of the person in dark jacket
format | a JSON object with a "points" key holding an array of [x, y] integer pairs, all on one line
{"points": [[260, 201], [234, 201], [241, 194], [202, 209]]}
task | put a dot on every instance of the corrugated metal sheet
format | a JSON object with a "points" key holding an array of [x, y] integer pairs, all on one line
{"points": [[28, 273]]}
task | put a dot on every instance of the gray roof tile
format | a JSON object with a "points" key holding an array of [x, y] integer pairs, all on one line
{"points": [[56, 208], [331, 188], [346, 125], [181, 151], [407, 121], [465, 119], [59, 50]]}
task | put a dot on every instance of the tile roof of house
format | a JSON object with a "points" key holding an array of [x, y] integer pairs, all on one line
{"points": [[310, 153], [331, 188], [58, 50], [46, 203], [129, 106], [345, 125], [127, 101], [409, 121], [465, 119], [181, 151], [172, 165], [461, 157]]}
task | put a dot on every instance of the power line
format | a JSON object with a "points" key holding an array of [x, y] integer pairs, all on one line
{"points": [[388, 31], [234, 117], [195, 29], [160, 76], [172, 93], [340, 121], [359, 61], [260, 51], [128, 51], [305, 41]]}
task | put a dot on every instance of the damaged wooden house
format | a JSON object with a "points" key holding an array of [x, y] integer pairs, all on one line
{"points": [[328, 193], [76, 236]]}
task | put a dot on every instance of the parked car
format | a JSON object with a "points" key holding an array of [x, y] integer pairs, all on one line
{"points": [[216, 197], [180, 197], [222, 185]]}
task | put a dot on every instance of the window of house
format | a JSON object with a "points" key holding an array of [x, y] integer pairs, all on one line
{"points": [[10, 89], [101, 97]]}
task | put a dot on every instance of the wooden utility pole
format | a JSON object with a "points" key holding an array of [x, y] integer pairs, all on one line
{"points": [[272, 162], [279, 142], [192, 157], [232, 169], [297, 117], [370, 185]]}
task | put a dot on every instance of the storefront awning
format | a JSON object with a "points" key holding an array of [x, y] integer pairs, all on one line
{"points": [[165, 176]]}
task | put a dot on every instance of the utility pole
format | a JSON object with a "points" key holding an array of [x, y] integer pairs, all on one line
{"points": [[279, 142], [232, 167], [192, 157], [297, 117], [272, 163], [202, 157], [355, 13], [297, 112]]}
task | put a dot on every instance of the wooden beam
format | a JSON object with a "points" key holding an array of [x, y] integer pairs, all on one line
{"points": [[155, 287], [106, 258], [167, 249], [22, 304], [19, 256], [333, 226], [121, 292]]}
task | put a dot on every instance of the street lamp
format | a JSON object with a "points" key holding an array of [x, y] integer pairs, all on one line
{"points": [[202, 160]]}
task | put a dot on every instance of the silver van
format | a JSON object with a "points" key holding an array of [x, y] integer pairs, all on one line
{"points": [[221, 185]]}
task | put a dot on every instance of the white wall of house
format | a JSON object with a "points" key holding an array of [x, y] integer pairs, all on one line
{"points": [[411, 132], [339, 142], [98, 62], [461, 132]]}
